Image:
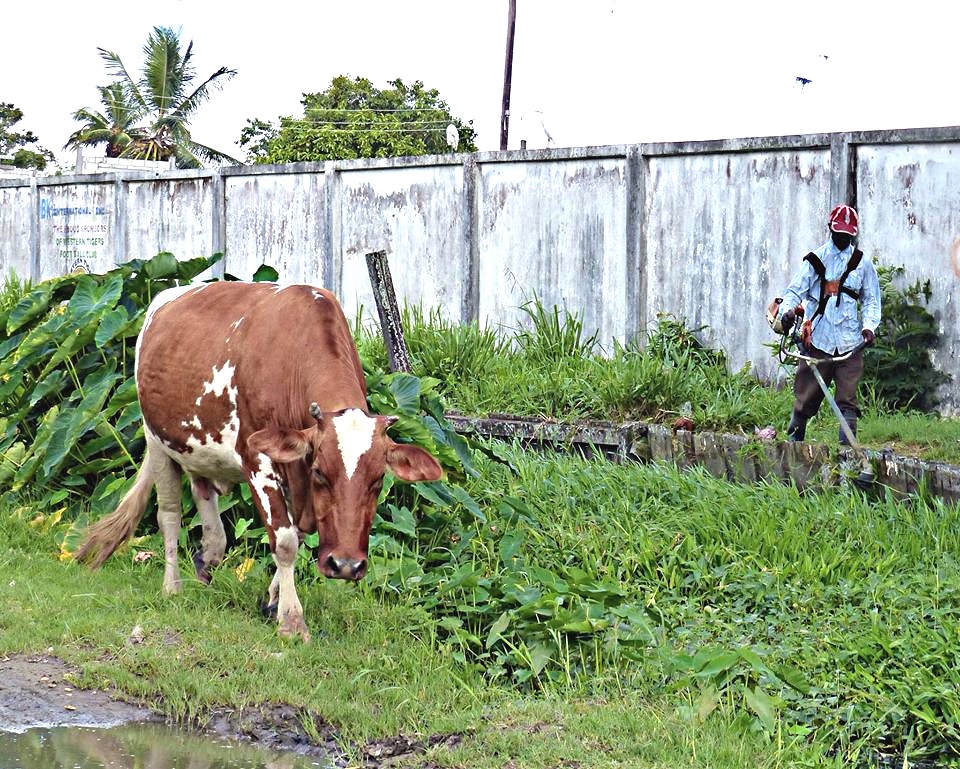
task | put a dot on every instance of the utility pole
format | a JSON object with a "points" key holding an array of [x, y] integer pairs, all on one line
{"points": [[507, 75]]}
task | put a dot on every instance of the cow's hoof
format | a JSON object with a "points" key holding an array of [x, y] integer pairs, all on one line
{"points": [[269, 610], [293, 629], [203, 571]]}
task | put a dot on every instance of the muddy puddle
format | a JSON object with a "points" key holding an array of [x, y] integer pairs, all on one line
{"points": [[135, 746], [46, 722]]}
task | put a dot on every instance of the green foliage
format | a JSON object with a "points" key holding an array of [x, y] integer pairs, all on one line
{"points": [[13, 144], [355, 119], [148, 118], [898, 367], [69, 417]]}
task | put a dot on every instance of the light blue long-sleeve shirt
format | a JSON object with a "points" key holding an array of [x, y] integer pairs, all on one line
{"points": [[839, 329]]}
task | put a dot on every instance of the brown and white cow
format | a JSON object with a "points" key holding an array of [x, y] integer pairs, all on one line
{"points": [[260, 383]]}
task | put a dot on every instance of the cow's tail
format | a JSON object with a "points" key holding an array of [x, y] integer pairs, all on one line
{"points": [[107, 534]]}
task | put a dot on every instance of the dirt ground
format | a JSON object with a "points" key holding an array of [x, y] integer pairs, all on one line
{"points": [[36, 692]]}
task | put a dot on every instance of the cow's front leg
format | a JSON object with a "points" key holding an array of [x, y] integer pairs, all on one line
{"points": [[289, 610]]}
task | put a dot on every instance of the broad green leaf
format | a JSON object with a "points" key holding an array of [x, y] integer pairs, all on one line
{"points": [[510, 545], [793, 678], [761, 703], [49, 384], [463, 497], [10, 461], [497, 629], [540, 656], [717, 662], [406, 391], [11, 344], [189, 269], [111, 324], [163, 265], [430, 492], [402, 520], [29, 307], [265, 274], [72, 424], [91, 300]]}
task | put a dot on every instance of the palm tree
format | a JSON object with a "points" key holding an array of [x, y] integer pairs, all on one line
{"points": [[116, 125], [165, 98]]}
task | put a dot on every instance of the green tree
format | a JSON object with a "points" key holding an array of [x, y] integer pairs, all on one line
{"points": [[354, 119], [13, 144], [115, 126], [154, 110]]}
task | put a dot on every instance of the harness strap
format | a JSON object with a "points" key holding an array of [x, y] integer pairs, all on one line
{"points": [[852, 263]]}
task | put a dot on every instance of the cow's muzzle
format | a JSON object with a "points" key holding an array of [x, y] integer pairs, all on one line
{"points": [[344, 567]]}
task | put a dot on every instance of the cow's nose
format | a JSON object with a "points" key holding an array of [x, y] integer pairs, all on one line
{"points": [[346, 568]]}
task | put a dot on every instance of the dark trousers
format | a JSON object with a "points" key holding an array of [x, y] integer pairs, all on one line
{"points": [[845, 375]]}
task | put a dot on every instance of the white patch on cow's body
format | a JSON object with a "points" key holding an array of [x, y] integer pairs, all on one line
{"points": [[216, 457], [222, 382], [236, 324], [265, 478], [195, 423], [354, 437]]}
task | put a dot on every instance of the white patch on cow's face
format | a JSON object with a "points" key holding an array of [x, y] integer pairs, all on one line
{"points": [[265, 478], [354, 437], [236, 324], [317, 296]]}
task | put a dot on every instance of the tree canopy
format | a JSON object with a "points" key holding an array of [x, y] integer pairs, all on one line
{"points": [[14, 149], [148, 117], [354, 119]]}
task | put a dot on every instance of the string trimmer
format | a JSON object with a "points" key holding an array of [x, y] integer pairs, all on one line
{"points": [[866, 476]]}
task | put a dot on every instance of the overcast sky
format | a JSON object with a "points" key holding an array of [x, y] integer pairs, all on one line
{"points": [[595, 71]]}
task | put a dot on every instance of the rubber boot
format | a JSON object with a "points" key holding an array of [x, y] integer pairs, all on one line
{"points": [[851, 419], [797, 429]]}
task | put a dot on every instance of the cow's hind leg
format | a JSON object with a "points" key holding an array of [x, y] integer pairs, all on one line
{"points": [[214, 539], [289, 609], [166, 475]]}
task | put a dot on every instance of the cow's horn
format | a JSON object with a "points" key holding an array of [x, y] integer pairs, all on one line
{"points": [[316, 413]]}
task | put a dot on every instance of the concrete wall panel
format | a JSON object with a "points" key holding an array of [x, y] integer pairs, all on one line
{"points": [[724, 234], [555, 231], [16, 214], [278, 220], [416, 215], [909, 204], [174, 215]]}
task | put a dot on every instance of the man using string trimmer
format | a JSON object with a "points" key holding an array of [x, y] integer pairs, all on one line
{"points": [[835, 296]]}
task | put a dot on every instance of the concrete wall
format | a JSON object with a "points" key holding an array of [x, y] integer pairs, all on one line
{"points": [[706, 231]]}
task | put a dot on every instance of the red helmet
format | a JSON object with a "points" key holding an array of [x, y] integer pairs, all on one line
{"points": [[843, 218]]}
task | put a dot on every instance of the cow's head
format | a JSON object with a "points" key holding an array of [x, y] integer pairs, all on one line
{"points": [[340, 463]]}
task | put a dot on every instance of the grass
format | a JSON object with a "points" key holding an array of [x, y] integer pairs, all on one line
{"points": [[375, 668], [610, 615], [549, 368]]}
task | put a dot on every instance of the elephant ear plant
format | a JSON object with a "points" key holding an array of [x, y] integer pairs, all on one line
{"points": [[69, 417]]}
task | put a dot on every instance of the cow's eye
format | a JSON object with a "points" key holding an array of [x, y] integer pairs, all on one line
{"points": [[319, 477]]}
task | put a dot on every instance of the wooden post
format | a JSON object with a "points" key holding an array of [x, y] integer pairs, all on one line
{"points": [[390, 323]]}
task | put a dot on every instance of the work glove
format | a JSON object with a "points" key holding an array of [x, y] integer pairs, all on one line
{"points": [[868, 337], [787, 320], [790, 317]]}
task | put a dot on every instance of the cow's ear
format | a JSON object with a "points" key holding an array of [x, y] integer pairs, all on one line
{"points": [[412, 464], [281, 444]]}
